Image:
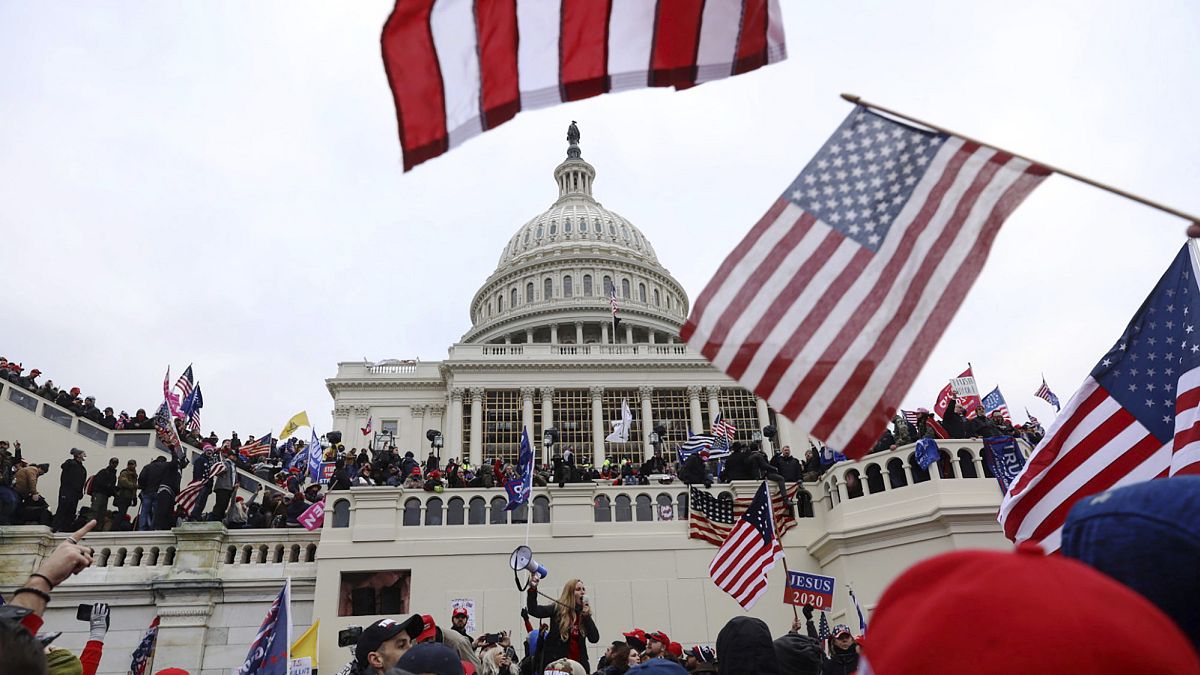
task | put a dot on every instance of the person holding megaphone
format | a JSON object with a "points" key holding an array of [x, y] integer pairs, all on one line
{"points": [[571, 624]]}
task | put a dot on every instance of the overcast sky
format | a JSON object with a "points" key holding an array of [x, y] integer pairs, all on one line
{"points": [[220, 183]]}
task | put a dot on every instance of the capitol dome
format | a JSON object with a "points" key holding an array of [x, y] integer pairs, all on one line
{"points": [[553, 280]]}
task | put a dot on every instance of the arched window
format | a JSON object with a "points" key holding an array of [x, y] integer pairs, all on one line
{"points": [[623, 508], [583, 225], [412, 512], [541, 509], [500, 302], [341, 513], [568, 286], [642, 293], [625, 288], [602, 510], [612, 230], [529, 292], [553, 228], [874, 479], [625, 230], [433, 511], [587, 285], [526, 237], [498, 515], [645, 508], [657, 298], [895, 469], [454, 511], [539, 232], [547, 289], [477, 511], [512, 298], [608, 285], [567, 226], [966, 464]]}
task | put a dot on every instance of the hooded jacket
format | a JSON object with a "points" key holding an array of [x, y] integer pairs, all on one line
{"points": [[72, 479], [748, 641], [798, 654], [841, 663]]}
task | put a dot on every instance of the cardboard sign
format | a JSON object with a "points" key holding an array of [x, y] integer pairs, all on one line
{"points": [[469, 605], [326, 472], [313, 517], [300, 666], [809, 589]]}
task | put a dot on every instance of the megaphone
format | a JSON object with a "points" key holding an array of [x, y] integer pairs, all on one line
{"points": [[522, 559]]}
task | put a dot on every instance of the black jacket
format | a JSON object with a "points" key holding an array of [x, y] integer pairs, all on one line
{"points": [[750, 640], [72, 480], [151, 475], [841, 663], [738, 467], [799, 654], [789, 467], [692, 470], [552, 647], [953, 423], [105, 482]]}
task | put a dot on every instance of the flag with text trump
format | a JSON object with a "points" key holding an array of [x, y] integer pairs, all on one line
{"points": [[741, 565], [458, 68], [832, 303], [1136, 417]]}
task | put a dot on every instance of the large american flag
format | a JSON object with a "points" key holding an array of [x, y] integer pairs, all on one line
{"points": [[711, 518], [832, 303], [185, 383], [257, 448], [741, 565], [722, 428], [458, 68], [185, 501], [1136, 417]]}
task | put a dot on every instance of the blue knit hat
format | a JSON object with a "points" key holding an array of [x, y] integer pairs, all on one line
{"points": [[1146, 536]]}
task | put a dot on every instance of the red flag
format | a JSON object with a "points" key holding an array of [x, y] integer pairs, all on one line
{"points": [[968, 394], [458, 68]]}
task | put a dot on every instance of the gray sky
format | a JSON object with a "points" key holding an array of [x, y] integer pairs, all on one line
{"points": [[220, 183]]}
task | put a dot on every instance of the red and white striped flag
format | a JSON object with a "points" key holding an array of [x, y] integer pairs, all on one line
{"points": [[741, 564], [833, 302], [185, 501], [458, 68], [1136, 417]]}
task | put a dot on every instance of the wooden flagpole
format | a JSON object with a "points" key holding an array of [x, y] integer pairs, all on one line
{"points": [[1193, 229]]}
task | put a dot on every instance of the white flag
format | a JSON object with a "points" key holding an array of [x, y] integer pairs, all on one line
{"points": [[620, 432]]}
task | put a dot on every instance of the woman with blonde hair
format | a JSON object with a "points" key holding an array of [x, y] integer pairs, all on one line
{"points": [[493, 660], [571, 624]]}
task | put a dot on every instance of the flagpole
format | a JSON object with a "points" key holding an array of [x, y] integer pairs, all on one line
{"points": [[782, 551], [1192, 231]]}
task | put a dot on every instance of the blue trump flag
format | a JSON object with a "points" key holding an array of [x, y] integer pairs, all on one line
{"points": [[269, 651], [927, 453], [314, 458], [518, 488], [1004, 458]]}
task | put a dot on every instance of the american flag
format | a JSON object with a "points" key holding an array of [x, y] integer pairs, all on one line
{"points": [[458, 68], [1045, 394], [711, 518], [257, 447], [192, 403], [695, 443], [164, 427], [995, 401], [823, 631], [185, 501], [1135, 418], [612, 300], [833, 302], [911, 416], [721, 428], [268, 653], [145, 650], [741, 565], [185, 383]]}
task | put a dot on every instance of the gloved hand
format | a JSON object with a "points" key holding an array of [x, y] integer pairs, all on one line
{"points": [[99, 622], [525, 613], [808, 612]]}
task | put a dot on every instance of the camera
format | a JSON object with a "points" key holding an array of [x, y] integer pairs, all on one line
{"points": [[349, 636], [493, 638]]}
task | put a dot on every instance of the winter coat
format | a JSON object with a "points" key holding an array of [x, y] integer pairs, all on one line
{"points": [[750, 640], [72, 479], [227, 478], [738, 467], [953, 423], [841, 663], [127, 482], [25, 481], [552, 647], [151, 475], [789, 467], [105, 482], [693, 471], [798, 654]]}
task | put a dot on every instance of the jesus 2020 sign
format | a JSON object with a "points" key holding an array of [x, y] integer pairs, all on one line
{"points": [[809, 589]]}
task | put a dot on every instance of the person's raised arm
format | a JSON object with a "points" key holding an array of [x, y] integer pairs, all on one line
{"points": [[531, 604], [68, 558]]}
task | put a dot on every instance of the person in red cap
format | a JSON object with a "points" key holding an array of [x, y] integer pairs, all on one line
{"points": [[656, 645], [991, 612], [675, 651], [636, 639], [458, 622]]}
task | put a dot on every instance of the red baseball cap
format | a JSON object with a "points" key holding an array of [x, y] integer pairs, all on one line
{"points": [[460, 611], [1097, 625], [429, 632], [636, 638], [659, 636], [675, 649]]}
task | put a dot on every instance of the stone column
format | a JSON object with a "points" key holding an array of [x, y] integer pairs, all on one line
{"points": [[341, 421], [476, 426], [604, 331], [186, 595], [714, 405], [553, 333], [651, 338], [454, 431], [529, 336], [694, 408], [764, 418], [527, 414], [628, 334], [785, 435], [647, 393], [418, 436], [597, 425], [547, 418], [578, 332]]}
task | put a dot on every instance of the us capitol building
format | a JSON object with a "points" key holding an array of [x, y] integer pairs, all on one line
{"points": [[541, 353]]}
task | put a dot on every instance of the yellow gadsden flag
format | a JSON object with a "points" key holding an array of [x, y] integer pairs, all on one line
{"points": [[298, 420], [306, 645]]}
